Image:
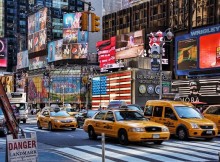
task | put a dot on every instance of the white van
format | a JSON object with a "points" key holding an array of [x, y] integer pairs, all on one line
{"points": [[18, 101]]}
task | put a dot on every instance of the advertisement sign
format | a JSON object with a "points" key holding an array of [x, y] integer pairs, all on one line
{"points": [[22, 59], [209, 44], [37, 62], [37, 31], [198, 50], [75, 42], [3, 52], [129, 45], [106, 52], [55, 50], [187, 54], [23, 149], [7, 82]]}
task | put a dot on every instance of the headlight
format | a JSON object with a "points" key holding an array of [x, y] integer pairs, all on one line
{"points": [[214, 126], [56, 121], [137, 129], [194, 125], [165, 129]]}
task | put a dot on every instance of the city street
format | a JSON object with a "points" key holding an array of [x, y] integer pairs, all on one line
{"points": [[68, 145]]}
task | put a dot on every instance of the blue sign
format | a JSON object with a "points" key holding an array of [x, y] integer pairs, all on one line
{"points": [[99, 85]]}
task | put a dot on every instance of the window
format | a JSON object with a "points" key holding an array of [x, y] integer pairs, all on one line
{"points": [[158, 111], [45, 113], [100, 115], [168, 112], [148, 111], [109, 116], [214, 110]]}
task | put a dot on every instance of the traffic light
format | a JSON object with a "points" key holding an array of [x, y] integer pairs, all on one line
{"points": [[84, 21], [95, 23]]}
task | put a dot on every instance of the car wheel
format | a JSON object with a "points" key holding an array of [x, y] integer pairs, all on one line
{"points": [[182, 134], [24, 121], [123, 137], [50, 127], [73, 129], [91, 133], [5, 130], [38, 125], [158, 142]]}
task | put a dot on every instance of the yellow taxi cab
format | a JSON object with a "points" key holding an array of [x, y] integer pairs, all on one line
{"points": [[213, 113], [182, 119], [126, 125], [55, 119]]}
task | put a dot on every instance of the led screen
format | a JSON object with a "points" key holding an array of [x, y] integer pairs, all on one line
{"points": [[3, 52], [129, 45], [22, 59], [37, 31], [209, 52], [38, 62], [187, 54], [55, 50]]}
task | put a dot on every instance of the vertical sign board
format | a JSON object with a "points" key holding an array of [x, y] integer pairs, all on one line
{"points": [[23, 149]]}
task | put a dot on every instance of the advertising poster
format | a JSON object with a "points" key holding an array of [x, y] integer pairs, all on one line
{"points": [[22, 59], [129, 45], [37, 62], [106, 52], [209, 51], [8, 83], [3, 52], [55, 50], [37, 32], [75, 42], [187, 54]]}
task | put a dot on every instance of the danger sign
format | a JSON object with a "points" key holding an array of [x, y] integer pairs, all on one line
{"points": [[22, 150]]}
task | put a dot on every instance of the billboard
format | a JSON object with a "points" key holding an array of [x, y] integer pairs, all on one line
{"points": [[198, 51], [3, 52], [75, 42], [37, 62], [209, 44], [129, 45], [8, 83], [54, 50], [22, 59], [106, 52], [37, 31]]}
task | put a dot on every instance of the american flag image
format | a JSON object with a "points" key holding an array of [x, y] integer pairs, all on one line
{"points": [[112, 86]]}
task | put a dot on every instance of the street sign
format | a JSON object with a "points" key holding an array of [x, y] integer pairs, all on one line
{"points": [[23, 149]]}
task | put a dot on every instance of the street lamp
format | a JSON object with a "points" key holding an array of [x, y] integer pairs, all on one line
{"points": [[63, 88], [157, 40]]}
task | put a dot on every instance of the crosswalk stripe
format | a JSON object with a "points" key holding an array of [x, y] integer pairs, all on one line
{"points": [[35, 129], [204, 155], [82, 155], [135, 151], [185, 146], [3, 141], [199, 145], [110, 153]]}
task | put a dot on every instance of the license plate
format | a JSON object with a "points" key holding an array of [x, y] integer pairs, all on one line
{"points": [[209, 132], [67, 125], [156, 136]]}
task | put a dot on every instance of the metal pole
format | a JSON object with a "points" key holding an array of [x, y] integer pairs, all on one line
{"points": [[161, 70], [103, 147]]}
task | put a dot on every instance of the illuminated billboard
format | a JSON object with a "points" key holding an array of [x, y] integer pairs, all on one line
{"points": [[75, 42], [37, 62], [55, 50], [198, 51], [22, 59], [3, 52], [37, 31], [106, 52], [129, 45], [209, 51]]}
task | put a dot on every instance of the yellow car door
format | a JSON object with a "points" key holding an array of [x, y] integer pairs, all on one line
{"points": [[108, 124], [170, 119], [157, 114], [213, 113], [98, 122]]}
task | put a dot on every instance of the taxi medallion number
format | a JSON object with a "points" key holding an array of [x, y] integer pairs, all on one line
{"points": [[156, 136], [209, 132]]}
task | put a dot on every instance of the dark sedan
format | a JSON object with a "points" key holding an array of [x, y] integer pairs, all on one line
{"points": [[81, 116]]}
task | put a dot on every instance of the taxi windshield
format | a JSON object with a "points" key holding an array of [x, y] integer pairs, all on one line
{"points": [[60, 113], [187, 112], [129, 115]]}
